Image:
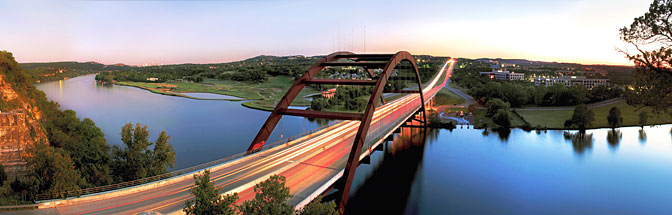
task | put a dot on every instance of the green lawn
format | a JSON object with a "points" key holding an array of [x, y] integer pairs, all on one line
{"points": [[481, 121], [447, 97], [630, 116], [546, 118], [264, 95], [555, 119]]}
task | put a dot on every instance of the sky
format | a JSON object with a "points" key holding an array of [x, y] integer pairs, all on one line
{"points": [[171, 32]]}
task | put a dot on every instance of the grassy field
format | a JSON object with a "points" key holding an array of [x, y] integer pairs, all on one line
{"points": [[630, 116], [264, 96], [447, 97], [481, 121], [555, 119], [546, 118]]}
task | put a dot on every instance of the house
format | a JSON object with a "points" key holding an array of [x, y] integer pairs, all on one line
{"points": [[505, 75], [571, 81]]}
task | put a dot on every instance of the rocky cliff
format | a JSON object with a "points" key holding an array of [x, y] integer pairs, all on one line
{"points": [[19, 126]]}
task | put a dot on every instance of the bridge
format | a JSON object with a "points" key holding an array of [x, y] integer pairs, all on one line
{"points": [[313, 164]]}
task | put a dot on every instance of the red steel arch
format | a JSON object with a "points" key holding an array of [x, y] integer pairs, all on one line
{"points": [[388, 62]]}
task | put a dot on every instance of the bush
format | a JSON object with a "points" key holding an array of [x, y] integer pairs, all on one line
{"points": [[643, 118], [614, 118], [582, 118], [494, 105], [502, 118]]}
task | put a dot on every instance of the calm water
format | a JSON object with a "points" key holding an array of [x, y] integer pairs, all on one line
{"points": [[200, 130], [465, 171]]}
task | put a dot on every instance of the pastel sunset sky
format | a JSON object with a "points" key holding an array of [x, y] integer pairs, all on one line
{"points": [[169, 32]]}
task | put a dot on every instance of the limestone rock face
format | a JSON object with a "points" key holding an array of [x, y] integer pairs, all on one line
{"points": [[19, 128]]}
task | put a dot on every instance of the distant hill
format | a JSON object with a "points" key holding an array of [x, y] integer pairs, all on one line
{"points": [[67, 69]]}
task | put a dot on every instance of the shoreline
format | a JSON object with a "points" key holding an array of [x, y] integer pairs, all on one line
{"points": [[246, 102]]}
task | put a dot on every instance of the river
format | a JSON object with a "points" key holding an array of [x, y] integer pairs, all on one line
{"points": [[464, 171], [200, 130]]}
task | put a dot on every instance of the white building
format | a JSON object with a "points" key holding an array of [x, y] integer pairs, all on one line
{"points": [[504, 75], [571, 81]]}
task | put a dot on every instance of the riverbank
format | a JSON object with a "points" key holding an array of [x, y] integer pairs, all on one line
{"points": [[555, 117], [261, 96]]}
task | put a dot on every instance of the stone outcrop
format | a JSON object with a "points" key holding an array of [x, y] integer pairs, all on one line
{"points": [[19, 128]]}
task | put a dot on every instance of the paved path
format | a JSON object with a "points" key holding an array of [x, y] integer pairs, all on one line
{"points": [[467, 98]]}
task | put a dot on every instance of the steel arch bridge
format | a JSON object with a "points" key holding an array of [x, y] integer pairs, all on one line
{"points": [[313, 164], [369, 62]]}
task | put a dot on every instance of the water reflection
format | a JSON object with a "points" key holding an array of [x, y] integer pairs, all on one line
{"points": [[503, 134], [614, 138], [387, 189], [580, 141], [642, 136]]}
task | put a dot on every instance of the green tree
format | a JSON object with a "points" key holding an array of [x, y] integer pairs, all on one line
{"points": [[163, 155], [354, 104], [582, 118], [318, 104], [653, 73], [52, 169], [317, 207], [502, 118], [270, 198], [643, 118], [494, 105], [614, 118], [136, 160], [207, 200]]}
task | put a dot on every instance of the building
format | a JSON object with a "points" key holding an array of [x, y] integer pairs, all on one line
{"points": [[504, 75], [329, 93], [571, 81]]}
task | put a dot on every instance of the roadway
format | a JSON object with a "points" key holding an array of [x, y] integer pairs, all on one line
{"points": [[309, 164]]}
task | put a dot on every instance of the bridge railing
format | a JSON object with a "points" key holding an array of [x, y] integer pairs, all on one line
{"points": [[110, 187]]}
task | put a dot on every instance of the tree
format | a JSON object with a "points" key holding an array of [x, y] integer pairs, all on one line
{"points": [[614, 118], [653, 73], [136, 160], [207, 200], [502, 118], [270, 198], [494, 105], [354, 104], [3, 175], [582, 118], [643, 118], [53, 170], [318, 104], [163, 155], [317, 207]]}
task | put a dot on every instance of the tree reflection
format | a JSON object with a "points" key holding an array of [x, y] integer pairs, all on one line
{"points": [[642, 136], [319, 121], [580, 141], [485, 132], [503, 133], [614, 138]]}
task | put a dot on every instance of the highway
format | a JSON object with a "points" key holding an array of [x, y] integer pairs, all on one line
{"points": [[309, 164]]}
